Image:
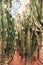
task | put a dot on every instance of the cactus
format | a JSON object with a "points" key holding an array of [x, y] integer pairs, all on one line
{"points": [[31, 24], [28, 30], [7, 34]]}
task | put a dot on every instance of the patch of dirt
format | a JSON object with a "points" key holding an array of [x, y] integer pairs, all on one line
{"points": [[17, 60]]}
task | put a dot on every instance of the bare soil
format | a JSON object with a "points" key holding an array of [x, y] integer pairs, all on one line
{"points": [[17, 60]]}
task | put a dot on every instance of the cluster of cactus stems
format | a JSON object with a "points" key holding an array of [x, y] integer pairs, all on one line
{"points": [[26, 33]]}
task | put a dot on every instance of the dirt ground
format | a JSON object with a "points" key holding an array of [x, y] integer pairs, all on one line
{"points": [[18, 61]]}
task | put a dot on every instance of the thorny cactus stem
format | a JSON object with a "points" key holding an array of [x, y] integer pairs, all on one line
{"points": [[41, 50], [7, 34], [41, 44]]}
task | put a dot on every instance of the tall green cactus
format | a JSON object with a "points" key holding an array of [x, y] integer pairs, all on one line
{"points": [[7, 34], [29, 30], [10, 48], [31, 24]]}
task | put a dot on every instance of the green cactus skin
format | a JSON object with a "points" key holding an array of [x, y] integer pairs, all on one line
{"points": [[29, 36], [7, 34]]}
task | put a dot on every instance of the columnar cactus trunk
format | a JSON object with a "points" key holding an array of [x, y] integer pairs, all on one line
{"points": [[41, 45], [41, 50], [42, 7], [7, 33]]}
